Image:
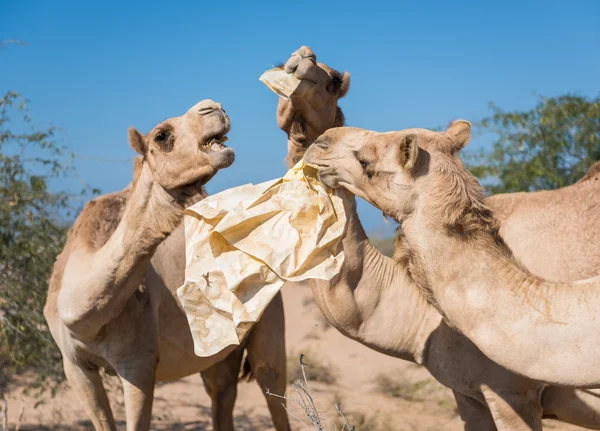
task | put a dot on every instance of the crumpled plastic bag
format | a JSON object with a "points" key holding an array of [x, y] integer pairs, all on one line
{"points": [[280, 82], [244, 243]]}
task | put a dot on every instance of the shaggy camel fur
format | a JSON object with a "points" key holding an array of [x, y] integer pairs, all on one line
{"points": [[539, 329], [112, 297], [373, 291]]}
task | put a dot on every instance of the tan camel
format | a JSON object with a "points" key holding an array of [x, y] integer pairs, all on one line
{"points": [[539, 329], [312, 108], [374, 292], [112, 297], [529, 224]]}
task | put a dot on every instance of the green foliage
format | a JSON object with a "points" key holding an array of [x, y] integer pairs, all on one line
{"points": [[549, 146], [30, 239]]}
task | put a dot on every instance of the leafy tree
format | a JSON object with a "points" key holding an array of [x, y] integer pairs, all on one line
{"points": [[550, 146], [31, 236]]}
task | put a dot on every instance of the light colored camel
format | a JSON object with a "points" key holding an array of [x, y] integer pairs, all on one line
{"points": [[374, 292], [112, 297], [542, 330], [312, 108], [554, 233]]}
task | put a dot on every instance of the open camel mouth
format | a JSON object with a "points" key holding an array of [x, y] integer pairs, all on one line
{"points": [[216, 143]]}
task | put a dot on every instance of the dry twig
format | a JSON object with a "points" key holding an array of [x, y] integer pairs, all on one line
{"points": [[305, 400]]}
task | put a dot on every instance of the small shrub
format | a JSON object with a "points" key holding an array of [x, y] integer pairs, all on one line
{"points": [[362, 422], [402, 388]]}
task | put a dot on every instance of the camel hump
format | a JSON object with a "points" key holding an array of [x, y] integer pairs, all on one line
{"points": [[592, 173], [99, 219]]}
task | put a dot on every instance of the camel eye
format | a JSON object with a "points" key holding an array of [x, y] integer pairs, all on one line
{"points": [[363, 164], [161, 137]]}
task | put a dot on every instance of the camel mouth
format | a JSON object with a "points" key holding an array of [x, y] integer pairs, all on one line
{"points": [[216, 143]]}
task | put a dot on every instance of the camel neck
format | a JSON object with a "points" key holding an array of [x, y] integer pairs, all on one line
{"points": [[303, 123], [539, 329], [373, 292], [150, 216], [450, 269], [115, 271], [296, 149]]}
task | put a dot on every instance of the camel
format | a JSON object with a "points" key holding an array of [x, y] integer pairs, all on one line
{"points": [[112, 296], [372, 291], [312, 108], [536, 328], [358, 306], [530, 223]]}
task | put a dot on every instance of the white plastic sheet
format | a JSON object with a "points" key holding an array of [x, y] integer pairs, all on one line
{"points": [[280, 82]]}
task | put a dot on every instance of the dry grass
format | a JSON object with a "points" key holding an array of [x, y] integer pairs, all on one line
{"points": [[395, 387], [400, 387], [317, 370], [363, 422]]}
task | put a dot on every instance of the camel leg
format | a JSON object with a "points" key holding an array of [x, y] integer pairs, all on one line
{"points": [[515, 411], [267, 359], [137, 376], [475, 415], [220, 381], [89, 388], [579, 407]]}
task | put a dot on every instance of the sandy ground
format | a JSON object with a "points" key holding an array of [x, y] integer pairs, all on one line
{"points": [[183, 405]]}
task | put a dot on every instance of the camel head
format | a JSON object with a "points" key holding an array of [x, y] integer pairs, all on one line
{"points": [[312, 108], [401, 172], [183, 153]]}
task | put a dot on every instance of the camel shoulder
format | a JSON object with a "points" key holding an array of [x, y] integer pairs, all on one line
{"points": [[92, 229], [99, 219]]}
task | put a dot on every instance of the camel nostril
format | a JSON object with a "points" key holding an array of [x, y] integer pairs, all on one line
{"points": [[321, 144], [206, 111]]}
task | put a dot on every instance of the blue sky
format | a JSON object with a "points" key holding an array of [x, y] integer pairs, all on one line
{"points": [[96, 68]]}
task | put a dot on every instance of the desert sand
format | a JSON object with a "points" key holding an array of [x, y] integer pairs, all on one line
{"points": [[376, 392]]}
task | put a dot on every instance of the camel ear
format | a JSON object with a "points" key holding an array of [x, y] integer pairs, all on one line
{"points": [[460, 132], [345, 84], [136, 141], [408, 151], [340, 84]]}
